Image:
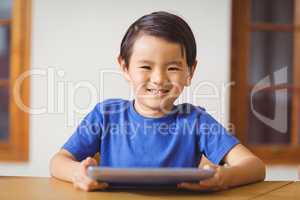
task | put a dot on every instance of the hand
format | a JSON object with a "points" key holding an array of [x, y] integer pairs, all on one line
{"points": [[82, 181], [216, 183]]}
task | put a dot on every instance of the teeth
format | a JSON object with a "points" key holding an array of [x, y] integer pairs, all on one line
{"points": [[154, 91]]}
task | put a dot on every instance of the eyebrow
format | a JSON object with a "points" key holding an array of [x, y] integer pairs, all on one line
{"points": [[146, 62], [168, 63], [174, 63]]}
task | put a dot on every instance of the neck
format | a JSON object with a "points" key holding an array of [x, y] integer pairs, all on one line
{"points": [[150, 112]]}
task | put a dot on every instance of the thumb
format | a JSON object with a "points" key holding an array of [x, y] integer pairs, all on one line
{"points": [[90, 161], [86, 163], [210, 181], [210, 166]]}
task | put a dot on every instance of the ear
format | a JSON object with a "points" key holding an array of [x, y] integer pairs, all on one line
{"points": [[124, 68], [191, 74]]}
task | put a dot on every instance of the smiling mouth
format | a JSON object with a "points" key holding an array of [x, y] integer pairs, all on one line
{"points": [[159, 92]]}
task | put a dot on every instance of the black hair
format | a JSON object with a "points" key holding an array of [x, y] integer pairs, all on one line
{"points": [[165, 25]]}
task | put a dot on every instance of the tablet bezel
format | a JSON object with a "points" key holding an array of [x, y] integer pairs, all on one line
{"points": [[148, 176]]}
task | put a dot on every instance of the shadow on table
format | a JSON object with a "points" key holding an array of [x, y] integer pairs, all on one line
{"points": [[157, 191]]}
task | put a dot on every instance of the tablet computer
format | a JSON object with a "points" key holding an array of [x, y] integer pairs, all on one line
{"points": [[148, 176]]}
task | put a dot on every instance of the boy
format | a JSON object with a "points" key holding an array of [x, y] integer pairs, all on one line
{"points": [[158, 59]]}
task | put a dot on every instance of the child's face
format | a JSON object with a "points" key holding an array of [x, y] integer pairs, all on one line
{"points": [[158, 73]]}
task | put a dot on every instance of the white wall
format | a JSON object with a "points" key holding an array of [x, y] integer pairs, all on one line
{"points": [[76, 40]]}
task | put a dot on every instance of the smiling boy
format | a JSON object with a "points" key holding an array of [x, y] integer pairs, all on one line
{"points": [[158, 59]]}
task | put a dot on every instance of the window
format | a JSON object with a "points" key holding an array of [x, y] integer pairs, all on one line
{"points": [[265, 69], [14, 60]]}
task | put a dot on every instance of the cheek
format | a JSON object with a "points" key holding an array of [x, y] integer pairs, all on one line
{"points": [[138, 81], [180, 80]]}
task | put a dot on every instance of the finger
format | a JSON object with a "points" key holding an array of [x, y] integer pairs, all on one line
{"points": [[87, 180], [193, 186], [84, 185], [81, 186], [89, 186], [209, 182], [82, 178], [99, 186]]}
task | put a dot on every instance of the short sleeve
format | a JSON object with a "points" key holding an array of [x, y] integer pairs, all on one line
{"points": [[214, 140], [85, 141]]}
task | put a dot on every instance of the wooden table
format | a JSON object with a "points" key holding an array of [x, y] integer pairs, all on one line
{"points": [[14, 188], [290, 191]]}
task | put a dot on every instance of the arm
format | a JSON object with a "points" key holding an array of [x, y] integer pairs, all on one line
{"points": [[242, 167], [64, 166]]}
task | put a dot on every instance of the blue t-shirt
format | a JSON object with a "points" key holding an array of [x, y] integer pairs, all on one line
{"points": [[125, 138]]}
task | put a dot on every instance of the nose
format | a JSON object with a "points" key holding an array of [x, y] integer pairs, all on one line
{"points": [[158, 77]]}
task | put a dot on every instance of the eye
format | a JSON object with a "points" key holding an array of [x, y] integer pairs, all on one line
{"points": [[145, 67], [173, 69]]}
